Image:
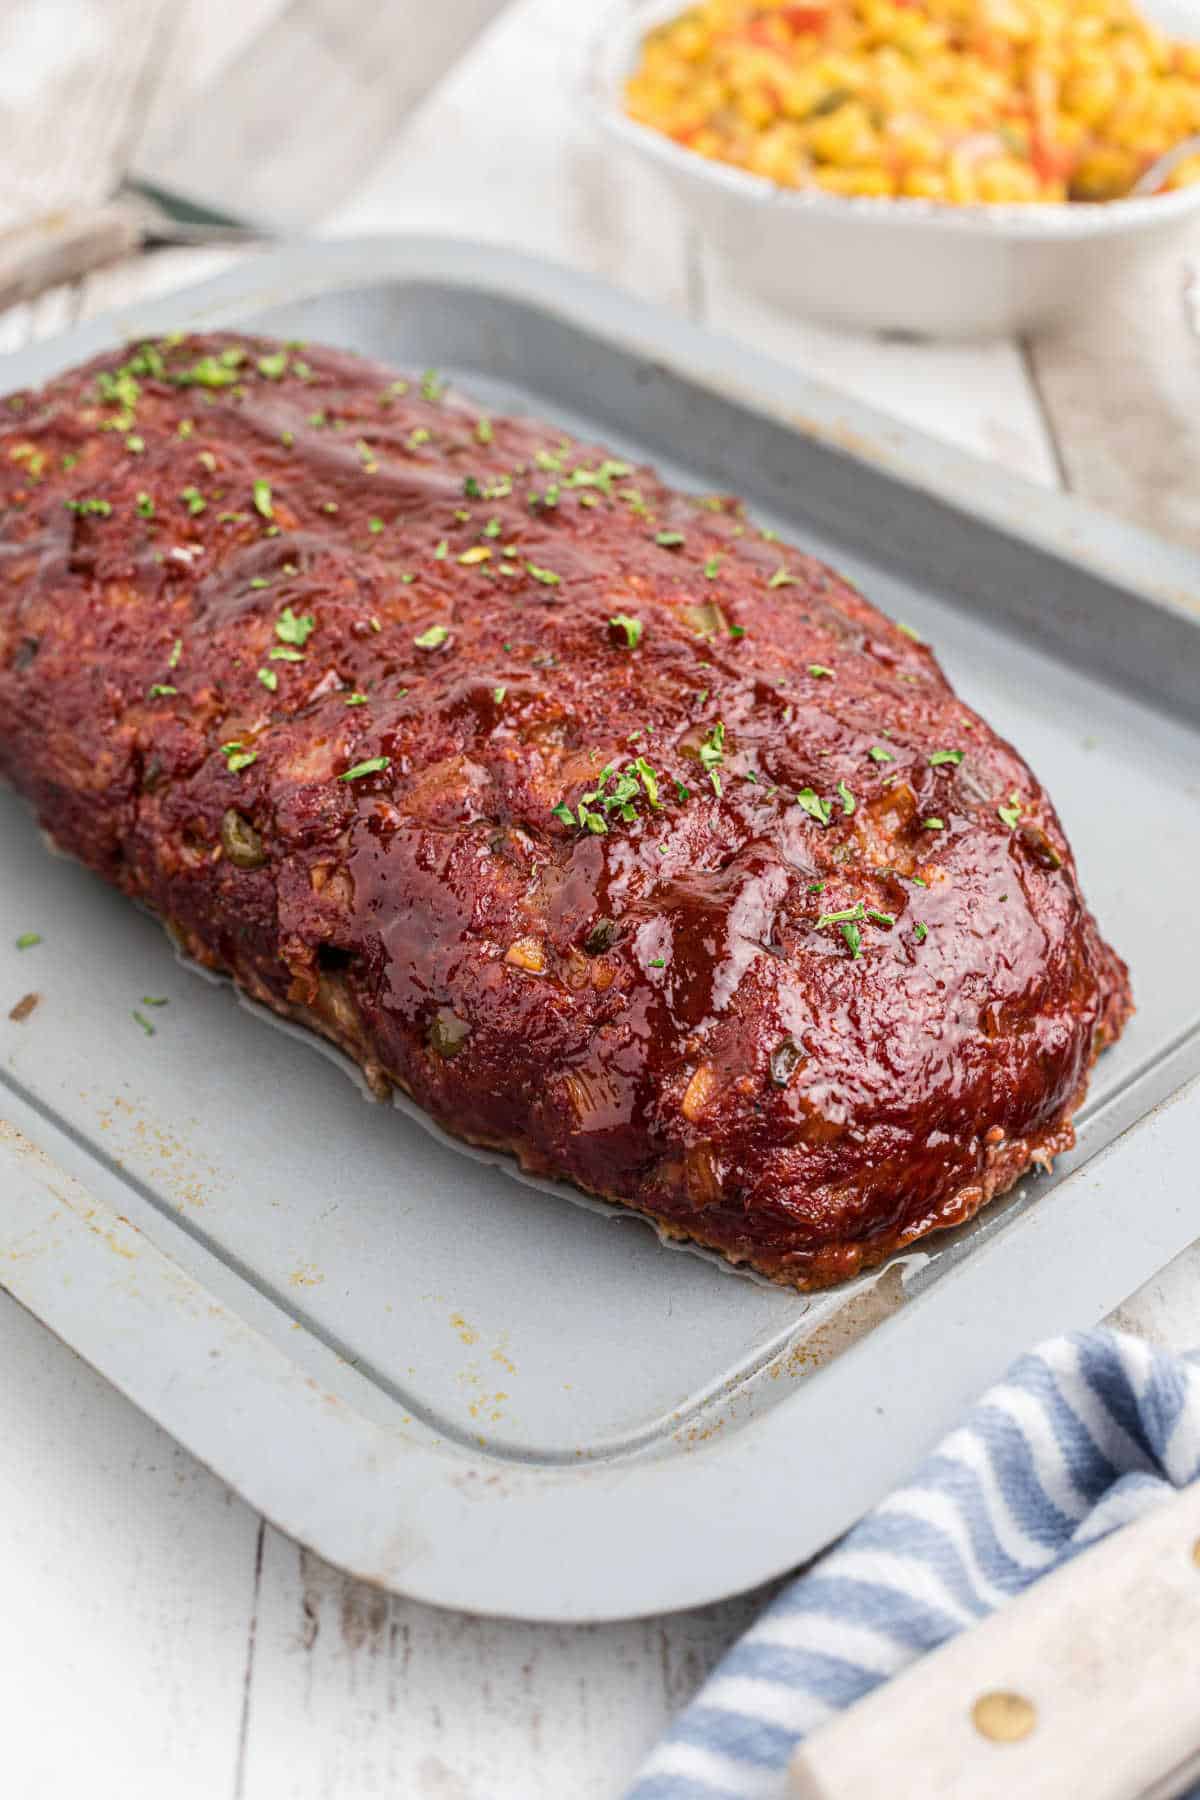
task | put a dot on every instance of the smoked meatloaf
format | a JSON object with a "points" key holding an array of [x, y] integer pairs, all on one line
{"points": [[617, 832]]}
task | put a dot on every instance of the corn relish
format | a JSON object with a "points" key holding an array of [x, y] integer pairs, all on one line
{"points": [[961, 101]]}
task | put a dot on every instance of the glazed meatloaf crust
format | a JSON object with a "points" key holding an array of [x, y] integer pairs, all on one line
{"points": [[615, 831]]}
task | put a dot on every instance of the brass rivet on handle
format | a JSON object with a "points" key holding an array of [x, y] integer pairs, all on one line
{"points": [[1004, 1718]]}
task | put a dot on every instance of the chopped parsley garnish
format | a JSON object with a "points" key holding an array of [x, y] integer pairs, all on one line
{"points": [[857, 911], [712, 755], [432, 638], [546, 576], [712, 567], [933, 824], [483, 431], [909, 632], [478, 553], [878, 754], [471, 488], [145, 1024], [816, 887], [821, 810], [498, 694], [208, 461], [492, 529], [670, 540], [375, 526], [154, 1000], [682, 793], [781, 578], [145, 506], [274, 366], [441, 550], [285, 653], [176, 653], [162, 687], [259, 581], [920, 932], [918, 881], [294, 628], [100, 508], [373, 766], [621, 797], [632, 627], [211, 371], [194, 500], [658, 962], [269, 679], [1010, 814], [817, 670], [601, 477], [432, 385], [939, 757], [846, 797], [853, 937], [28, 939], [562, 811], [237, 757], [356, 699], [135, 444], [263, 504], [737, 631]]}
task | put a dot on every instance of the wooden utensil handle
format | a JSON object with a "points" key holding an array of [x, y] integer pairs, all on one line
{"points": [[1087, 1683], [59, 246]]}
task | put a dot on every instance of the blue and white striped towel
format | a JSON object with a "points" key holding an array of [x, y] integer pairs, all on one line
{"points": [[1083, 1435]]}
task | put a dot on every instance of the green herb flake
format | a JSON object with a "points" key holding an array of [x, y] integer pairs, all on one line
{"points": [[259, 581], [933, 824], [816, 887], [155, 1000], [878, 754], [846, 797], [498, 694], [440, 553], [631, 626], [918, 881], [273, 367], [712, 567], [853, 936], [940, 757], [160, 688], [546, 576], [781, 578], [818, 670], [356, 699], [269, 679], [669, 540], [562, 811], [432, 386], [237, 757], [262, 499], [98, 508], [185, 428], [285, 653], [145, 1024], [28, 939], [909, 632], [659, 962], [483, 431], [373, 766], [144, 506], [820, 810], [194, 500], [375, 526], [135, 444], [433, 638], [294, 628], [1010, 814], [920, 932], [176, 653]]}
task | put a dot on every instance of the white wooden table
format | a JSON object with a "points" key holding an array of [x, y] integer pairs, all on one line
{"points": [[158, 1641]]}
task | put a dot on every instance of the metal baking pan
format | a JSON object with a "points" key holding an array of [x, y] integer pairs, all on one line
{"points": [[457, 1385]]}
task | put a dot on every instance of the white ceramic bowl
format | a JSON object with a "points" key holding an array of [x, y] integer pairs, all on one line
{"points": [[891, 265]]}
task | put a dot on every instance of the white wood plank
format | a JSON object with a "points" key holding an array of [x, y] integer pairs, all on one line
{"points": [[501, 152], [1121, 386], [128, 1576], [355, 1693]]}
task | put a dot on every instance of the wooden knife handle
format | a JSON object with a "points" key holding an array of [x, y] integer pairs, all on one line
{"points": [[59, 246], [1087, 1683]]}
